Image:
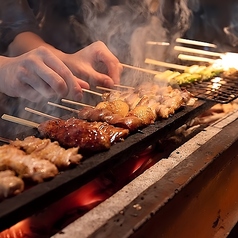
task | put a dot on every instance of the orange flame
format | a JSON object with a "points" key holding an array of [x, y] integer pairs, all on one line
{"points": [[74, 205]]}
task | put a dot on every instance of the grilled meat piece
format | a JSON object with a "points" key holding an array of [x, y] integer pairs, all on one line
{"points": [[162, 100], [95, 114], [130, 123], [144, 113], [88, 136], [26, 166], [171, 101], [52, 151], [116, 107], [10, 184], [116, 134]]}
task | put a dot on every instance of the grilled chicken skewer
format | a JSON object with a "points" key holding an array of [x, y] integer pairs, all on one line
{"points": [[10, 184], [43, 148], [26, 166], [74, 132], [162, 100], [136, 108], [95, 136]]}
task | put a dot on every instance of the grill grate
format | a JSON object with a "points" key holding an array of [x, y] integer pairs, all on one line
{"points": [[219, 89]]}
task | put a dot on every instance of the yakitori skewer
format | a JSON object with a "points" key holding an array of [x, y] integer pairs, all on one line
{"points": [[165, 64], [197, 51], [196, 58], [189, 73], [40, 113], [73, 132], [195, 42], [141, 69]]}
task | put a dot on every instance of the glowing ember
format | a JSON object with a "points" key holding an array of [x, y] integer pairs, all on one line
{"points": [[61, 213]]}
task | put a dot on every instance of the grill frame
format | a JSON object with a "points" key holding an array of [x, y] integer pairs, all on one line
{"points": [[33, 200]]}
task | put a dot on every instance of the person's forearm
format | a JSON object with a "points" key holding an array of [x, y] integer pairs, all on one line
{"points": [[27, 41]]}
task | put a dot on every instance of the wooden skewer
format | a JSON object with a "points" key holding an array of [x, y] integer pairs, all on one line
{"points": [[74, 103], [63, 107], [195, 58], [20, 121], [141, 69], [196, 51], [40, 113], [157, 43], [5, 140], [165, 64], [123, 86], [107, 89], [92, 92], [195, 42]]}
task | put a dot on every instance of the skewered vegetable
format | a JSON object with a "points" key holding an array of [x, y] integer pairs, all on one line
{"points": [[190, 74]]}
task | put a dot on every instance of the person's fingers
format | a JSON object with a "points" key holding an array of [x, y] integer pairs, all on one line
{"points": [[27, 92], [82, 83], [75, 90], [112, 63], [38, 83], [114, 71], [57, 75], [99, 79]]}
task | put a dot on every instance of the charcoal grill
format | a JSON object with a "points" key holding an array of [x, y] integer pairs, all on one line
{"points": [[31, 201]]}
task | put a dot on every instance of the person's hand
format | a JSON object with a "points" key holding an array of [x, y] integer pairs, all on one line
{"points": [[95, 64], [36, 74]]}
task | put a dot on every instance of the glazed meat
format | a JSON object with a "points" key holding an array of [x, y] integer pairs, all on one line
{"points": [[88, 136], [130, 123], [26, 166], [10, 184], [116, 134], [52, 151]]}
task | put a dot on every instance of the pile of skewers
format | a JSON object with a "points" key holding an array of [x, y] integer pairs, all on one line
{"points": [[216, 64], [92, 129]]}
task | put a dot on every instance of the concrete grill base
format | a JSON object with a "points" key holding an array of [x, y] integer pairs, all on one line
{"points": [[193, 193]]}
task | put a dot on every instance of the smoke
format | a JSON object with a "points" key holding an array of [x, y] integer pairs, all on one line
{"points": [[125, 28], [232, 30]]}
